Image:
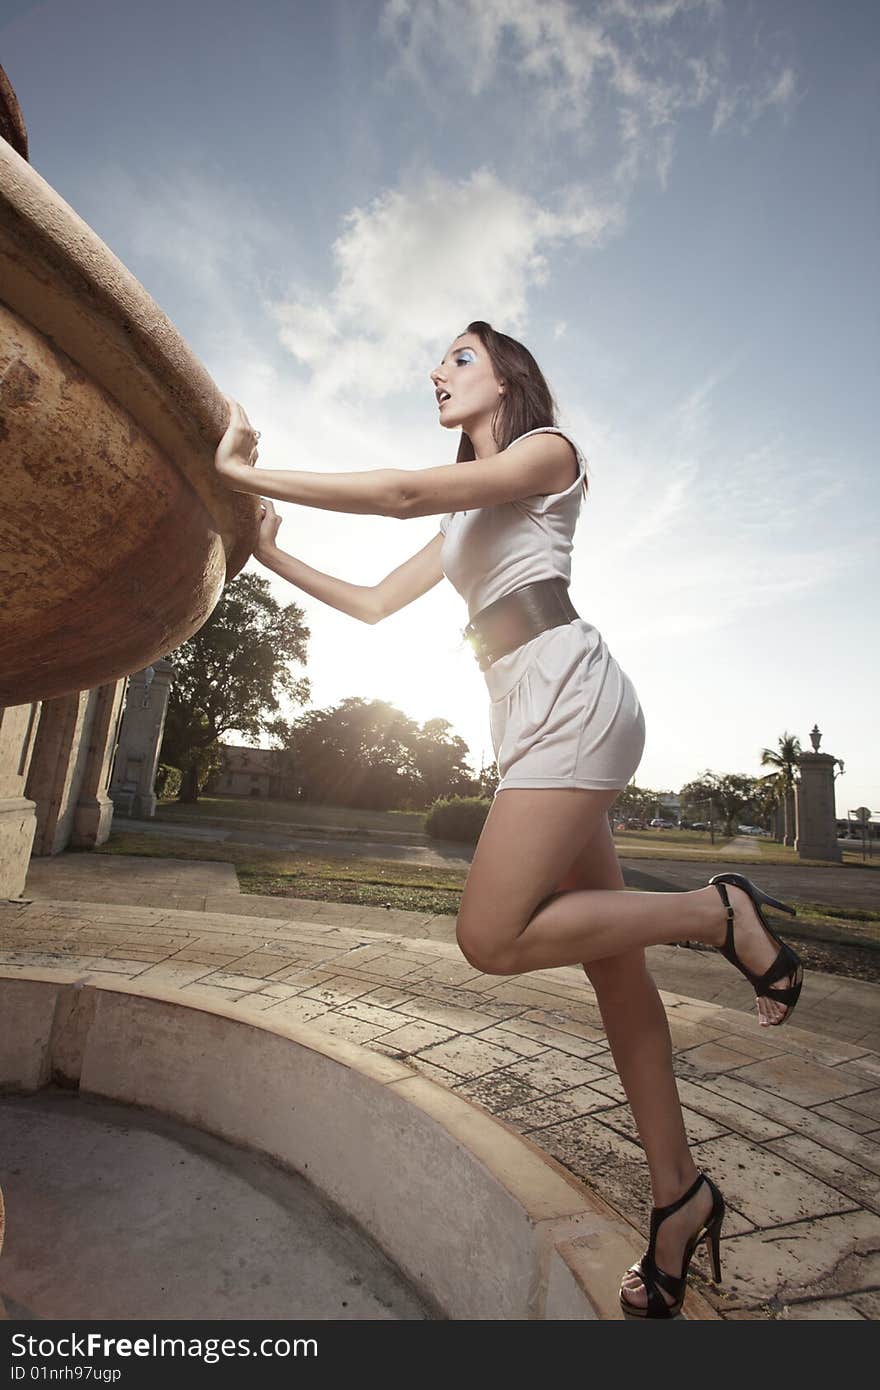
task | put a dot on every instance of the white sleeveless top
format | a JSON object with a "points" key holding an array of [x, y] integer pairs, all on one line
{"points": [[490, 551]]}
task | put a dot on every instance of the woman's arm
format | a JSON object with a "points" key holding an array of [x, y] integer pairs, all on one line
{"points": [[377, 492], [370, 604], [357, 600], [541, 464]]}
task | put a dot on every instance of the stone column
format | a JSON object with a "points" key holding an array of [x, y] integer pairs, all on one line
{"points": [[56, 766], [94, 808], [140, 738], [816, 824], [18, 823]]}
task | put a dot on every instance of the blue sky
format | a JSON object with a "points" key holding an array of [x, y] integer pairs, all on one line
{"points": [[673, 203]]}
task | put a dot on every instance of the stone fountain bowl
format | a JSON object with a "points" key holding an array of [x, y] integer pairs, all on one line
{"points": [[116, 535]]}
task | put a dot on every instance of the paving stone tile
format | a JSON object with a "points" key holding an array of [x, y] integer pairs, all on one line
{"points": [[414, 1036], [298, 1009], [438, 1074], [354, 1029], [107, 966], [263, 963], [133, 950], [467, 1056], [172, 974], [524, 1047], [206, 993], [304, 978], [371, 1013], [276, 991], [244, 984], [554, 1071], [766, 1188], [847, 1177], [685, 1035], [838, 1253], [753, 1098], [550, 1110], [497, 1091], [822, 1309], [758, 1047], [571, 1043], [387, 996], [839, 1139], [449, 972], [802, 1081], [868, 1064], [867, 1104], [388, 968], [447, 1015], [508, 992], [711, 1057], [850, 1119], [339, 989], [610, 1086], [868, 1303], [583, 1021], [202, 955]]}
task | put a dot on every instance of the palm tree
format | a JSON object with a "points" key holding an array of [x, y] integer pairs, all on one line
{"points": [[785, 762]]}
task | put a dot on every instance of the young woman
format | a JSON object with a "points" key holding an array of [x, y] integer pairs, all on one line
{"points": [[544, 888]]}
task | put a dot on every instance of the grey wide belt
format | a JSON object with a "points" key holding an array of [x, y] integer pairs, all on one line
{"points": [[518, 617]]}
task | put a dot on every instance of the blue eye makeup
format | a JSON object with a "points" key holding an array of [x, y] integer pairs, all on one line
{"points": [[466, 355]]}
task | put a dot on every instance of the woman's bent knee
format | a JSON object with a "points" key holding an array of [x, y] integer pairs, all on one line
{"points": [[485, 956]]}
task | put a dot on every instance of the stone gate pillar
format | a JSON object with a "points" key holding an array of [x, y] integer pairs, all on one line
{"points": [[816, 812], [140, 738]]}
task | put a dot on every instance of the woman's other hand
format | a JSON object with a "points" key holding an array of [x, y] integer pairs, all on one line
{"points": [[238, 447], [269, 523]]}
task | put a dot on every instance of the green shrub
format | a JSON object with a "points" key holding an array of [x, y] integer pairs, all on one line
{"points": [[457, 818], [168, 780]]}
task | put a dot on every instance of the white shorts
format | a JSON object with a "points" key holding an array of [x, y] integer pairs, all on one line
{"points": [[563, 713]]}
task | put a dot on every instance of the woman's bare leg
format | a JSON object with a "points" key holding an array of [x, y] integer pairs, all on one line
{"points": [[512, 918], [638, 1034]]}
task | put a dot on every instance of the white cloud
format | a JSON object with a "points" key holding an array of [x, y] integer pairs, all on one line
{"points": [[418, 263], [649, 63]]}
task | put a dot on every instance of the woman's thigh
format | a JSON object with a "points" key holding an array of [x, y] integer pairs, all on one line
{"points": [[529, 844]]}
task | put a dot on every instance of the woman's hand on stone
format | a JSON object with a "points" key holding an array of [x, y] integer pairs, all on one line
{"points": [[238, 447], [269, 523]]}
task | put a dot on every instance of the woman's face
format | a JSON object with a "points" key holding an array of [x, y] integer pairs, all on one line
{"points": [[465, 385]]}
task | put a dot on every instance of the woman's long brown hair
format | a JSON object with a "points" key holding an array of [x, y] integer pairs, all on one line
{"points": [[527, 402]]}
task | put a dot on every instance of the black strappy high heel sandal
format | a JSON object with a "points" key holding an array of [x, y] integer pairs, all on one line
{"points": [[655, 1279], [787, 962]]}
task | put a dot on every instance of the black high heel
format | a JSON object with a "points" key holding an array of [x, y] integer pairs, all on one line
{"points": [[655, 1279], [787, 962]]}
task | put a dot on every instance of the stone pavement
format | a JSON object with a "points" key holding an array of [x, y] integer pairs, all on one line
{"points": [[785, 1120]]}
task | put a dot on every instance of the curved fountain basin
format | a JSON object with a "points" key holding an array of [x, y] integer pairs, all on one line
{"points": [[478, 1220], [116, 535]]}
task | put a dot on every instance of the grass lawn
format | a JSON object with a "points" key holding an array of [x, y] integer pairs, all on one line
{"points": [[258, 809], [286, 874]]}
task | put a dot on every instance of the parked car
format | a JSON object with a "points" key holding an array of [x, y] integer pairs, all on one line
{"points": [[700, 825], [749, 830], [659, 824]]}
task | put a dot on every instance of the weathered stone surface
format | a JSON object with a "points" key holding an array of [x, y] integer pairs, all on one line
{"points": [[767, 1189]]}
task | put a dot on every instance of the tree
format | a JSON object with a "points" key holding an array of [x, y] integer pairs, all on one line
{"points": [[368, 753], [229, 675], [635, 803], [728, 796], [784, 761]]}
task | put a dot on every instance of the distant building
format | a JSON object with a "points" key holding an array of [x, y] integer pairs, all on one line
{"points": [[253, 772]]}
